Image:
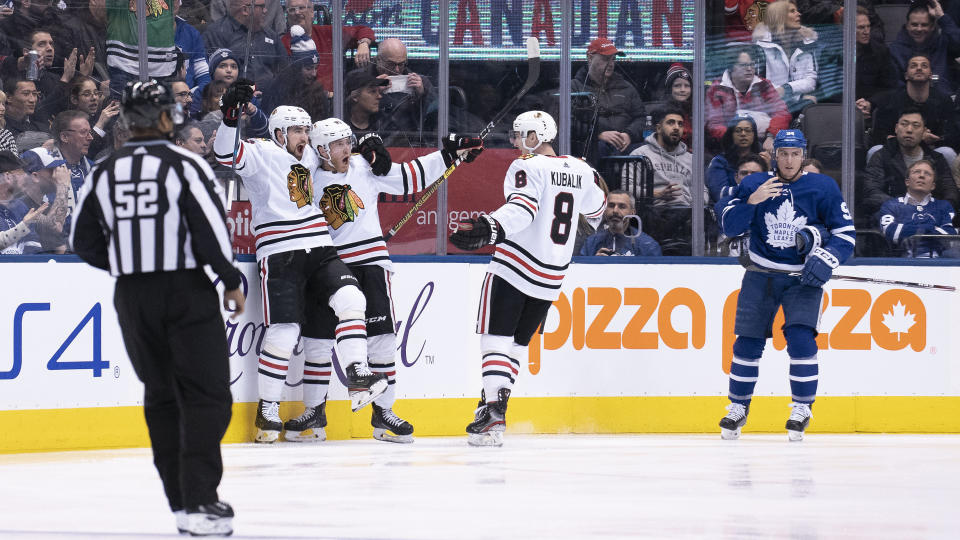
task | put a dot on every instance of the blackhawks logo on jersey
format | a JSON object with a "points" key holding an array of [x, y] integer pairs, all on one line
{"points": [[340, 204], [299, 185], [782, 228]]}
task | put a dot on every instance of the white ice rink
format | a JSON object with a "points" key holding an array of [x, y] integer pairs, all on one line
{"points": [[545, 486]]}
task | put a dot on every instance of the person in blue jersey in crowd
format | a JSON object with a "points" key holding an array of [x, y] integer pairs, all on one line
{"points": [[917, 212], [798, 223]]}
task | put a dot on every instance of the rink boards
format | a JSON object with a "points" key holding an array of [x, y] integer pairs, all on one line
{"points": [[626, 348]]}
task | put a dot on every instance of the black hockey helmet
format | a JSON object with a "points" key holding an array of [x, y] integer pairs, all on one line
{"points": [[143, 101]]}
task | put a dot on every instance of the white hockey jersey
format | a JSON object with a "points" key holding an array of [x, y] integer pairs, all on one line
{"points": [[285, 217], [349, 201], [545, 197]]}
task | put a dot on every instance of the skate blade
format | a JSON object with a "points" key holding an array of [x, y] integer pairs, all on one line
{"points": [[381, 434], [729, 434], [307, 435], [490, 438], [266, 436], [360, 398], [794, 436], [202, 525]]}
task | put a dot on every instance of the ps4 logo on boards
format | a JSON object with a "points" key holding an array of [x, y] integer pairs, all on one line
{"points": [[96, 363]]}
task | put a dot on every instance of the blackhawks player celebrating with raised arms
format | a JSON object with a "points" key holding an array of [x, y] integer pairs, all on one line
{"points": [[534, 232], [798, 222], [348, 186], [297, 261]]}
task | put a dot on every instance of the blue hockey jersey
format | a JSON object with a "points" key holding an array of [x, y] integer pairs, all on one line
{"points": [[812, 199], [901, 218]]}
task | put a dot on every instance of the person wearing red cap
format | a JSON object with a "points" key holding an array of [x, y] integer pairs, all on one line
{"points": [[619, 121]]}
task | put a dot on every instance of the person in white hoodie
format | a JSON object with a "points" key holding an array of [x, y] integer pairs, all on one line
{"points": [[790, 50]]}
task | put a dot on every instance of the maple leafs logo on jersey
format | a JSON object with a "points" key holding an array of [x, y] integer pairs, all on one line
{"points": [[782, 228], [340, 204], [299, 185]]}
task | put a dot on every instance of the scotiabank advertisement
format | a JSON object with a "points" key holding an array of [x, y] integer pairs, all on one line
{"points": [[617, 330]]}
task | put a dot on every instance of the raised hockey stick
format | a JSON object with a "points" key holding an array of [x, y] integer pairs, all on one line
{"points": [[533, 73], [231, 183], [745, 261]]}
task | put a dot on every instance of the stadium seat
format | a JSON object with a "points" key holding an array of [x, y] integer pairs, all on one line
{"points": [[821, 124], [893, 17]]}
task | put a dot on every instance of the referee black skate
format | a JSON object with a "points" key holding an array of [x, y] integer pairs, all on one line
{"points": [[151, 214]]}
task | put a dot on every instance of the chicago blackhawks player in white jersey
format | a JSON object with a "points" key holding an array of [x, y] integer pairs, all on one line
{"points": [[297, 261], [347, 187], [534, 234]]}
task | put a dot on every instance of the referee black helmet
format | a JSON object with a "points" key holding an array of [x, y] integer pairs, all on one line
{"points": [[144, 102]]}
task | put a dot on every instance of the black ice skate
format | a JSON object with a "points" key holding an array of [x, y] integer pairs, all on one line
{"points": [[798, 421], [308, 427], [363, 385], [268, 422], [734, 420], [389, 427], [215, 519], [489, 421]]}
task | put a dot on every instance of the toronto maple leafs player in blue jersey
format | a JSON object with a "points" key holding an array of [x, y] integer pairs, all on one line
{"points": [[798, 223]]}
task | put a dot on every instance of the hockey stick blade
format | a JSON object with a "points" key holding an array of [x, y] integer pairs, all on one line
{"points": [[533, 74]]}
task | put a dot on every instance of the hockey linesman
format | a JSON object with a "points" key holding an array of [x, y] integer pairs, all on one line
{"points": [[534, 233], [798, 222], [298, 264], [348, 187], [151, 215]]}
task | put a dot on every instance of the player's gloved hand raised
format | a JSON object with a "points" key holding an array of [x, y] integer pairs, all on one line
{"points": [[371, 147], [475, 233], [818, 268], [232, 101], [455, 144], [811, 237]]}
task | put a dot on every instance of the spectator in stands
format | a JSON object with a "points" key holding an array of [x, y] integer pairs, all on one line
{"points": [[919, 93], [16, 220], [191, 138], [928, 31], [672, 164], [741, 17], [875, 71], [273, 19], [85, 27], [404, 104], [619, 122], [73, 135], [190, 42], [6, 48], [27, 16], [740, 90], [612, 239], [819, 11], [7, 141], [747, 165], [47, 180], [361, 38], [790, 49], [363, 92], [122, 44], [811, 165], [22, 99], [740, 139], [299, 85], [85, 96], [183, 96], [679, 86], [886, 169], [267, 56], [917, 212]]}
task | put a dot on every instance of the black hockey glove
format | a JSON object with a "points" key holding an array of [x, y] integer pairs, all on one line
{"points": [[234, 99], [475, 233], [454, 144], [371, 147]]}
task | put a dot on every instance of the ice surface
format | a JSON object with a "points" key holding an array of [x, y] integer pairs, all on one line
{"points": [[535, 486]]}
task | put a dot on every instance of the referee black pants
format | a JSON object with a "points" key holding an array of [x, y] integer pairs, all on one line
{"points": [[174, 334]]}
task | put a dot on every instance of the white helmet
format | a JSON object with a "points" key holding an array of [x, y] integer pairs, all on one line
{"points": [[285, 116], [537, 121], [327, 131]]}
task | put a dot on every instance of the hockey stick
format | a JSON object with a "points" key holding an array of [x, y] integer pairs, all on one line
{"points": [[232, 182], [533, 73], [745, 261]]}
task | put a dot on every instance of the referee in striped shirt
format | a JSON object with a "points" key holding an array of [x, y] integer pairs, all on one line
{"points": [[152, 216]]}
